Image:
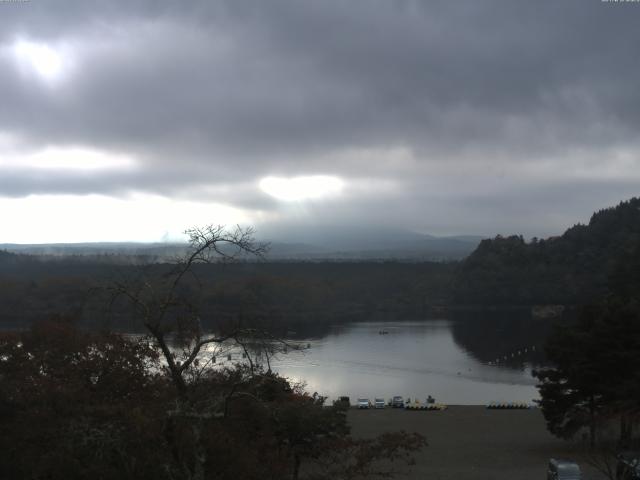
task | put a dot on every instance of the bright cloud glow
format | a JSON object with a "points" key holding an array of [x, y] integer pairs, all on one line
{"points": [[96, 218], [42, 59], [74, 159], [301, 188]]}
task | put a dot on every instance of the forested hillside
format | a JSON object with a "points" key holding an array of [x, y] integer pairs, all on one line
{"points": [[286, 294], [570, 269]]}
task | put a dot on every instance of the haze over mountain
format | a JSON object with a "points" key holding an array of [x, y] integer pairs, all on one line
{"points": [[369, 242], [336, 243]]}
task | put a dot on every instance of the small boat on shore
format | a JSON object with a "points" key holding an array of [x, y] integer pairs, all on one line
{"points": [[426, 406]]}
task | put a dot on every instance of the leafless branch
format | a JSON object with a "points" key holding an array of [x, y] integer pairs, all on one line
{"points": [[154, 298]]}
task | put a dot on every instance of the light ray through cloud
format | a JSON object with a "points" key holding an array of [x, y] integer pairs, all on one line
{"points": [[302, 188]]}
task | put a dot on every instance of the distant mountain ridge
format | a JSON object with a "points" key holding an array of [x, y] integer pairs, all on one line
{"points": [[367, 243], [312, 244], [572, 268]]}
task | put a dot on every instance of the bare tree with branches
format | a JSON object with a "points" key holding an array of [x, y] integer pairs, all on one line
{"points": [[164, 304]]}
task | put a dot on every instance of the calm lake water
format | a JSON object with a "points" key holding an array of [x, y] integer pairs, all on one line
{"points": [[455, 362]]}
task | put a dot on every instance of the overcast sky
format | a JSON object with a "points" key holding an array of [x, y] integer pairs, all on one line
{"points": [[133, 120]]}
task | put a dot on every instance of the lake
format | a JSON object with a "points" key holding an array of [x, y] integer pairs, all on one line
{"points": [[463, 363]]}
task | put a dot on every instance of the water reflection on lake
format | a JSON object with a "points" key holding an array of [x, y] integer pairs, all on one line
{"points": [[416, 359]]}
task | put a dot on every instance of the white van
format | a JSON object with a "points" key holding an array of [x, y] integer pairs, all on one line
{"points": [[563, 470]]}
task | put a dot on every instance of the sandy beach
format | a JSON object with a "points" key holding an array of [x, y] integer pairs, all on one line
{"points": [[472, 442]]}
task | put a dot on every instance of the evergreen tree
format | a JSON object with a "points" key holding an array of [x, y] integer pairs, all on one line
{"points": [[595, 376]]}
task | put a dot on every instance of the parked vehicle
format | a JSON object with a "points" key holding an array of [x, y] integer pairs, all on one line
{"points": [[344, 401], [364, 403], [378, 403], [397, 402], [628, 467], [563, 470]]}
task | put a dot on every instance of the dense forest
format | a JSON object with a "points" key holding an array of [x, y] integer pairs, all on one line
{"points": [[570, 269], [286, 293]]}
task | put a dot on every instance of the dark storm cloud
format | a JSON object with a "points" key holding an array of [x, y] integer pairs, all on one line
{"points": [[211, 96]]}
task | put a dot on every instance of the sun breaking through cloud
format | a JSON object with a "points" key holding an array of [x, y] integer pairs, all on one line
{"points": [[40, 58]]}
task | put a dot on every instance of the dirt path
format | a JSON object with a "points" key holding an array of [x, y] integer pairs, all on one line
{"points": [[471, 442]]}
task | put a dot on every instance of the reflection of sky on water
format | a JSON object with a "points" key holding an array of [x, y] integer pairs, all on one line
{"points": [[413, 359]]}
